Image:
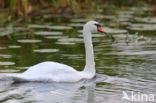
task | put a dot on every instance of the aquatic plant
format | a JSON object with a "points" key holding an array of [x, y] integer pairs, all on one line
{"points": [[23, 8]]}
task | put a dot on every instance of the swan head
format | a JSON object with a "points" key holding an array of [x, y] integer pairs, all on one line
{"points": [[94, 27]]}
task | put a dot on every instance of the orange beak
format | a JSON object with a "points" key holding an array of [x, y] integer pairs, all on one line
{"points": [[101, 30]]}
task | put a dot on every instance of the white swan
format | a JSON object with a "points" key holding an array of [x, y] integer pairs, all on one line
{"points": [[52, 71]]}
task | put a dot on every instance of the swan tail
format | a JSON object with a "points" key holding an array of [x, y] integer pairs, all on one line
{"points": [[19, 79], [15, 77]]}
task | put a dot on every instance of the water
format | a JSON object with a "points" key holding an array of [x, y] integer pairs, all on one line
{"points": [[129, 61]]}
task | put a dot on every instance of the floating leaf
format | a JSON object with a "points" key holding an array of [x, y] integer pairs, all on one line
{"points": [[55, 37], [14, 46], [59, 27], [37, 26], [76, 24], [148, 20], [9, 71], [7, 63], [66, 43], [70, 40], [29, 41], [46, 50], [79, 20], [5, 56], [47, 33], [142, 27]]}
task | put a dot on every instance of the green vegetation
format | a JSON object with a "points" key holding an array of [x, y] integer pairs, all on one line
{"points": [[25, 8], [14, 9]]}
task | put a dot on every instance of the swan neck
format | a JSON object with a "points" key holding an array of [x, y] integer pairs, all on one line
{"points": [[90, 64]]}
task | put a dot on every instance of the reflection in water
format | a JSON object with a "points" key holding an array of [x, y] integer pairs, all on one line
{"points": [[91, 92], [49, 92]]}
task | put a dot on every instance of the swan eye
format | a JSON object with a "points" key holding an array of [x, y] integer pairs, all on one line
{"points": [[98, 25]]}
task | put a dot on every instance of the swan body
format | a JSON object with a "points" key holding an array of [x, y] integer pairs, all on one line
{"points": [[50, 71], [53, 71]]}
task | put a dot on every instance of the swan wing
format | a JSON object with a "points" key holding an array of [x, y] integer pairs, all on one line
{"points": [[48, 71], [52, 68]]}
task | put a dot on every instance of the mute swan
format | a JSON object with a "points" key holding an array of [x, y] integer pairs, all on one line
{"points": [[53, 71]]}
